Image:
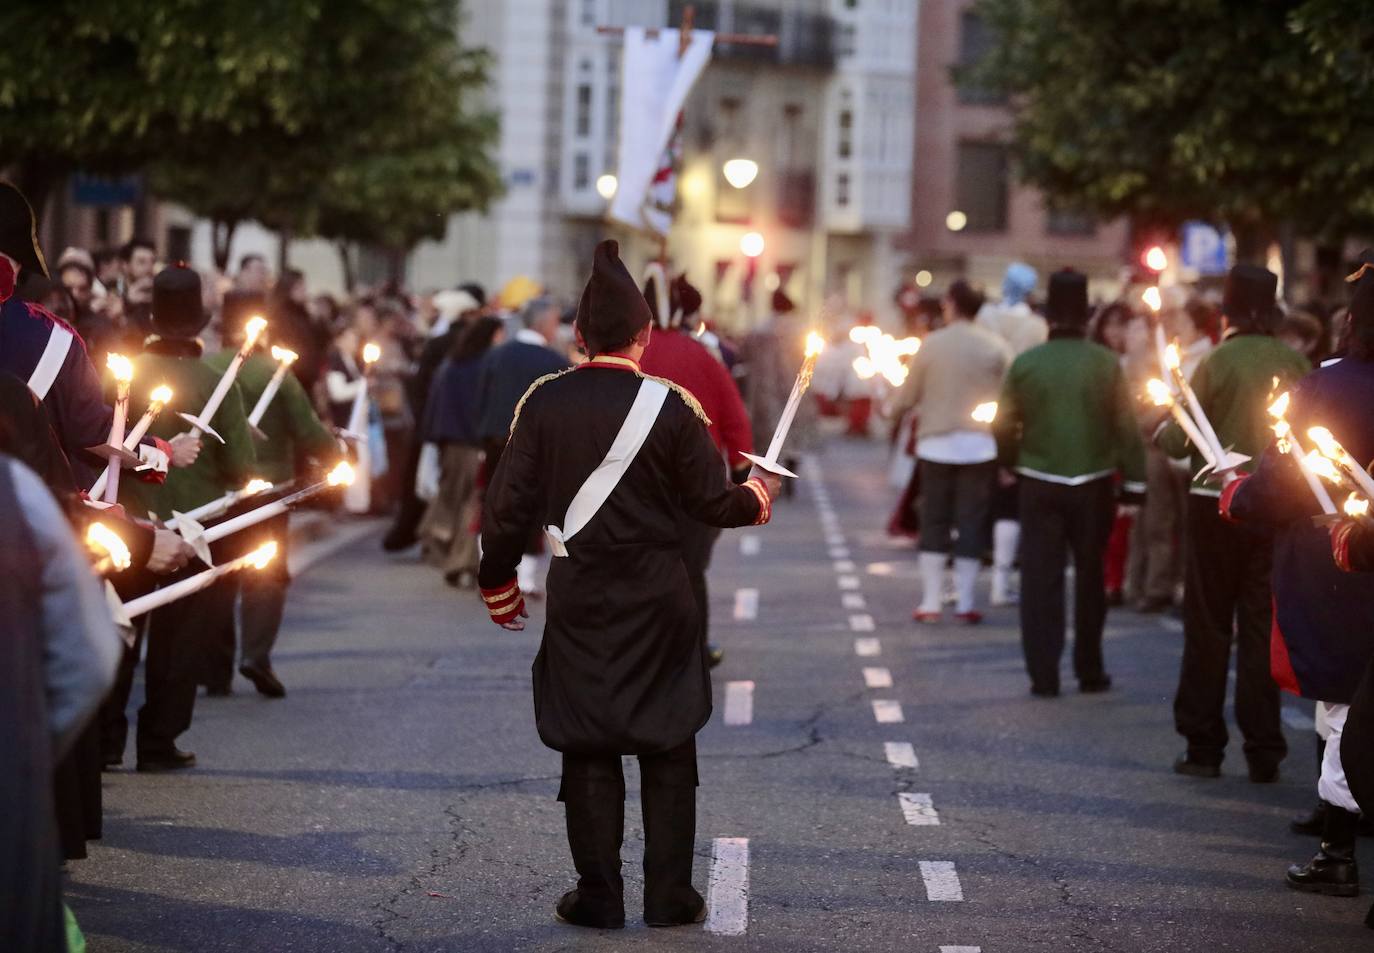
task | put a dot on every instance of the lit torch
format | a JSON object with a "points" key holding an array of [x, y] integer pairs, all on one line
{"points": [[1288, 443], [257, 559], [815, 344], [123, 372], [157, 402], [284, 359], [985, 413], [109, 550], [1331, 448], [1161, 396], [201, 424], [1222, 462]]}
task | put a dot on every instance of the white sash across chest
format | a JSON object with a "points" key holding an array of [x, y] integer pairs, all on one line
{"points": [[604, 479], [54, 354]]}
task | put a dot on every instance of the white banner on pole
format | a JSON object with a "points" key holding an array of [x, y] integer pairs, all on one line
{"points": [[654, 85]]}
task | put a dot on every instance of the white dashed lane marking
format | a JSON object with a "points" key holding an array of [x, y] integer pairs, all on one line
{"points": [[853, 600], [941, 880], [877, 678], [900, 754], [887, 711], [746, 605], [739, 703], [918, 809], [961, 949], [849, 582], [727, 891], [844, 565], [861, 623], [839, 552], [750, 544], [867, 647]]}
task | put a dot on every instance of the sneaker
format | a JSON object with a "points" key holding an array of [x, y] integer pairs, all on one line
{"points": [[927, 618]]}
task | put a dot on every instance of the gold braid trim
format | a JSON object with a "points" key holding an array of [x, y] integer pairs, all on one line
{"points": [[685, 394], [543, 380]]}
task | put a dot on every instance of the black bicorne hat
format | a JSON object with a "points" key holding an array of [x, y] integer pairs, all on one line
{"points": [[1066, 299], [178, 308], [612, 309], [19, 230], [1248, 297]]}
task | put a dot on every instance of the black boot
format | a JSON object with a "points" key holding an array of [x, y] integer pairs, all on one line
{"points": [[670, 812], [595, 807], [1333, 871]]}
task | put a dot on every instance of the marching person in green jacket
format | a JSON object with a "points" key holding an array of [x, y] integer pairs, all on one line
{"points": [[289, 433], [176, 650], [1065, 423], [1227, 565]]}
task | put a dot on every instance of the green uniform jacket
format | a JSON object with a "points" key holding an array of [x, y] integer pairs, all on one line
{"points": [[1233, 384], [289, 422], [1066, 416], [220, 467]]}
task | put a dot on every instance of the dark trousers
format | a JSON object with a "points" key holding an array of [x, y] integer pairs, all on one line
{"points": [[1226, 596], [593, 796], [258, 595], [956, 497], [698, 540], [1056, 521]]}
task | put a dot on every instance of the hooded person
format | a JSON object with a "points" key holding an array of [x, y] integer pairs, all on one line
{"points": [[1226, 596], [176, 653], [610, 461], [1012, 318], [1321, 640], [1066, 424], [675, 353]]}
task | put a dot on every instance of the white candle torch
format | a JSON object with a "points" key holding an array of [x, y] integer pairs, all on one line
{"points": [[1224, 462], [284, 359], [1357, 508], [357, 417], [201, 424], [1161, 396], [123, 371], [815, 344], [222, 505], [200, 538], [157, 402], [257, 559], [109, 550], [1331, 448], [1288, 443]]}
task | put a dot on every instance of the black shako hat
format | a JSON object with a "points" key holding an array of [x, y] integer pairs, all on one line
{"points": [[1248, 298], [612, 309], [19, 230], [684, 300], [178, 308], [1066, 300]]}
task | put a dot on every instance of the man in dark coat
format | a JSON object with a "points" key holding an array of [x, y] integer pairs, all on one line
{"points": [[608, 460]]}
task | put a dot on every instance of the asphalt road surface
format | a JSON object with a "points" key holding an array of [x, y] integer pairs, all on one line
{"points": [[866, 784]]}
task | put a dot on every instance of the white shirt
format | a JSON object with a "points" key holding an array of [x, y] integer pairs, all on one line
{"points": [[958, 447]]}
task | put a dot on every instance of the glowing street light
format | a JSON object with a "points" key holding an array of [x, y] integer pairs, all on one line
{"points": [[740, 172], [751, 244], [924, 278], [606, 185], [956, 220]]}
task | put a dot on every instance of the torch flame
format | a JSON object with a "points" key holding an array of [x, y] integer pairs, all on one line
{"points": [[1322, 467], [120, 367], [1279, 407], [341, 475], [371, 353], [1171, 357], [1158, 392], [985, 413], [264, 554], [863, 333], [1355, 507], [1152, 298], [863, 366], [255, 326], [101, 539], [161, 395], [814, 345], [1329, 446], [283, 356], [255, 486]]}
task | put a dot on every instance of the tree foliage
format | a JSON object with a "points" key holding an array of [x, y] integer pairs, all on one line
{"points": [[1165, 110]]}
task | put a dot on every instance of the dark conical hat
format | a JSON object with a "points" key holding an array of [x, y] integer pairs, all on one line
{"points": [[612, 309], [1250, 292], [19, 230], [178, 307]]}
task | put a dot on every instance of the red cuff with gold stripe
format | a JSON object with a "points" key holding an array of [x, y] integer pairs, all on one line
{"points": [[1228, 497], [1340, 544], [504, 603], [755, 486]]}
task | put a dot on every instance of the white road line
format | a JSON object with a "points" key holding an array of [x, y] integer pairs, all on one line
{"points": [[746, 605], [877, 678], [887, 711], [844, 565], [861, 623], [867, 647], [834, 539], [1297, 720], [941, 880], [853, 600], [918, 809], [727, 890], [839, 552], [900, 754], [849, 582], [961, 949], [739, 703], [750, 544]]}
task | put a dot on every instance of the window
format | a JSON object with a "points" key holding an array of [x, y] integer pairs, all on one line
{"points": [[589, 12], [846, 140], [582, 171], [1067, 222], [842, 190], [981, 185], [584, 110], [976, 41]]}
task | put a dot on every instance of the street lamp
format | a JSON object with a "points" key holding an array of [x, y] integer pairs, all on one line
{"points": [[955, 221], [751, 244], [740, 172], [924, 278], [606, 186]]}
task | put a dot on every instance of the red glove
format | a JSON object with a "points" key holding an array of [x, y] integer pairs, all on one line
{"points": [[504, 603]]}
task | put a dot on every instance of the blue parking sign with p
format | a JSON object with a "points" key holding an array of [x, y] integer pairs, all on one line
{"points": [[1203, 248]]}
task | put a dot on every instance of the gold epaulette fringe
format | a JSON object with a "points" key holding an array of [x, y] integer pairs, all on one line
{"points": [[543, 380], [686, 396]]}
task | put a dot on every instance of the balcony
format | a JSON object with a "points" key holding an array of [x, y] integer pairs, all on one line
{"points": [[805, 40]]}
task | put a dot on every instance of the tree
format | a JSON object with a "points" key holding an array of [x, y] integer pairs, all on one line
{"points": [[1165, 110], [1343, 33]]}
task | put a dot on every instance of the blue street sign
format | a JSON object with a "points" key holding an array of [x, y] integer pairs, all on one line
{"points": [[102, 192], [1202, 248]]}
